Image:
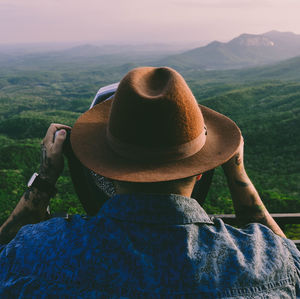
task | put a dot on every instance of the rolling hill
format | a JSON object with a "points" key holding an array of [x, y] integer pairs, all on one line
{"points": [[264, 101]]}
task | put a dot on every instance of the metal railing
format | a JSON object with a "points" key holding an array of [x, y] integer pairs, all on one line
{"points": [[281, 219]]}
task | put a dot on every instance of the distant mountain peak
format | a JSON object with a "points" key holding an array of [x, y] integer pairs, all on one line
{"points": [[252, 40], [243, 51], [214, 43], [279, 33]]}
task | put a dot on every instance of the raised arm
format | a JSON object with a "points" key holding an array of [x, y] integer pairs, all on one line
{"points": [[32, 207], [247, 203]]}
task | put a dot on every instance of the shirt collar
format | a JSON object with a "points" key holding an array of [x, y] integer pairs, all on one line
{"points": [[155, 208]]}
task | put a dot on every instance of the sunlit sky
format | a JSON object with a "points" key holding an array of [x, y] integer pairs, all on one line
{"points": [[142, 21]]}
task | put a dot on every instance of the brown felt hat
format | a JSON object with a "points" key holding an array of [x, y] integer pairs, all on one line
{"points": [[153, 130]]}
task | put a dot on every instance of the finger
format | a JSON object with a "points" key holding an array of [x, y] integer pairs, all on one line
{"points": [[59, 141], [51, 131]]}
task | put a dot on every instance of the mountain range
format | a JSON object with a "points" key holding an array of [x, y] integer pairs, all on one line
{"points": [[246, 50]]}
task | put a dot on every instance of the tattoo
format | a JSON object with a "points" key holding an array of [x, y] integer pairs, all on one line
{"points": [[237, 159], [38, 198], [240, 183], [45, 161], [47, 169], [27, 194], [32, 208], [35, 198]]}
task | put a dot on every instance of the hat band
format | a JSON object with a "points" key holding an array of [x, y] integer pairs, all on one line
{"points": [[160, 154]]}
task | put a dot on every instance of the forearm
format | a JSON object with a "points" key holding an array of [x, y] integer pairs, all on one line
{"points": [[247, 203], [31, 209]]}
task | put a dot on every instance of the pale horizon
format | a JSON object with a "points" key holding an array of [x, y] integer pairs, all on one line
{"points": [[142, 21]]}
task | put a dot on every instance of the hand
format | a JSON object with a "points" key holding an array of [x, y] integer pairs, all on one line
{"points": [[236, 163], [52, 162]]}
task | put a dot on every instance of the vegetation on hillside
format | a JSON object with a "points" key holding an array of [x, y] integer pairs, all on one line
{"points": [[267, 111]]}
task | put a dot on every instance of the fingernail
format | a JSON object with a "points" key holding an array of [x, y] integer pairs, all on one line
{"points": [[62, 132]]}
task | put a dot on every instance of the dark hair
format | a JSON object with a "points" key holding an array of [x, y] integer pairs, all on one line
{"points": [[157, 187]]}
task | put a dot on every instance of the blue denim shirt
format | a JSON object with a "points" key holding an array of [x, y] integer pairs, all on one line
{"points": [[148, 246]]}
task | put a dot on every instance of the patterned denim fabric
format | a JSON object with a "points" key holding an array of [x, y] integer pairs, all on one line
{"points": [[148, 246]]}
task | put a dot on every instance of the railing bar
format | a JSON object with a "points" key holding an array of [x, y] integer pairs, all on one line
{"points": [[274, 215], [286, 215]]}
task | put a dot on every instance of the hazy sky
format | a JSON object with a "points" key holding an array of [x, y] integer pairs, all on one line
{"points": [[143, 20]]}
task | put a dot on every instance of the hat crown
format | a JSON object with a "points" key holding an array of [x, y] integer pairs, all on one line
{"points": [[154, 108]]}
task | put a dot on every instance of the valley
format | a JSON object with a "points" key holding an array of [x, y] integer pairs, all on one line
{"points": [[37, 89]]}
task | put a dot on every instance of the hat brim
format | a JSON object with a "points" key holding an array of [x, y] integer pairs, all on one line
{"points": [[89, 143]]}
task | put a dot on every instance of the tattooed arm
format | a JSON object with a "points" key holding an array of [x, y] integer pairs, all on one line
{"points": [[32, 207], [246, 200]]}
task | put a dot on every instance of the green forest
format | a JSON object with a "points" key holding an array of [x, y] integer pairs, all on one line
{"points": [[263, 101]]}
